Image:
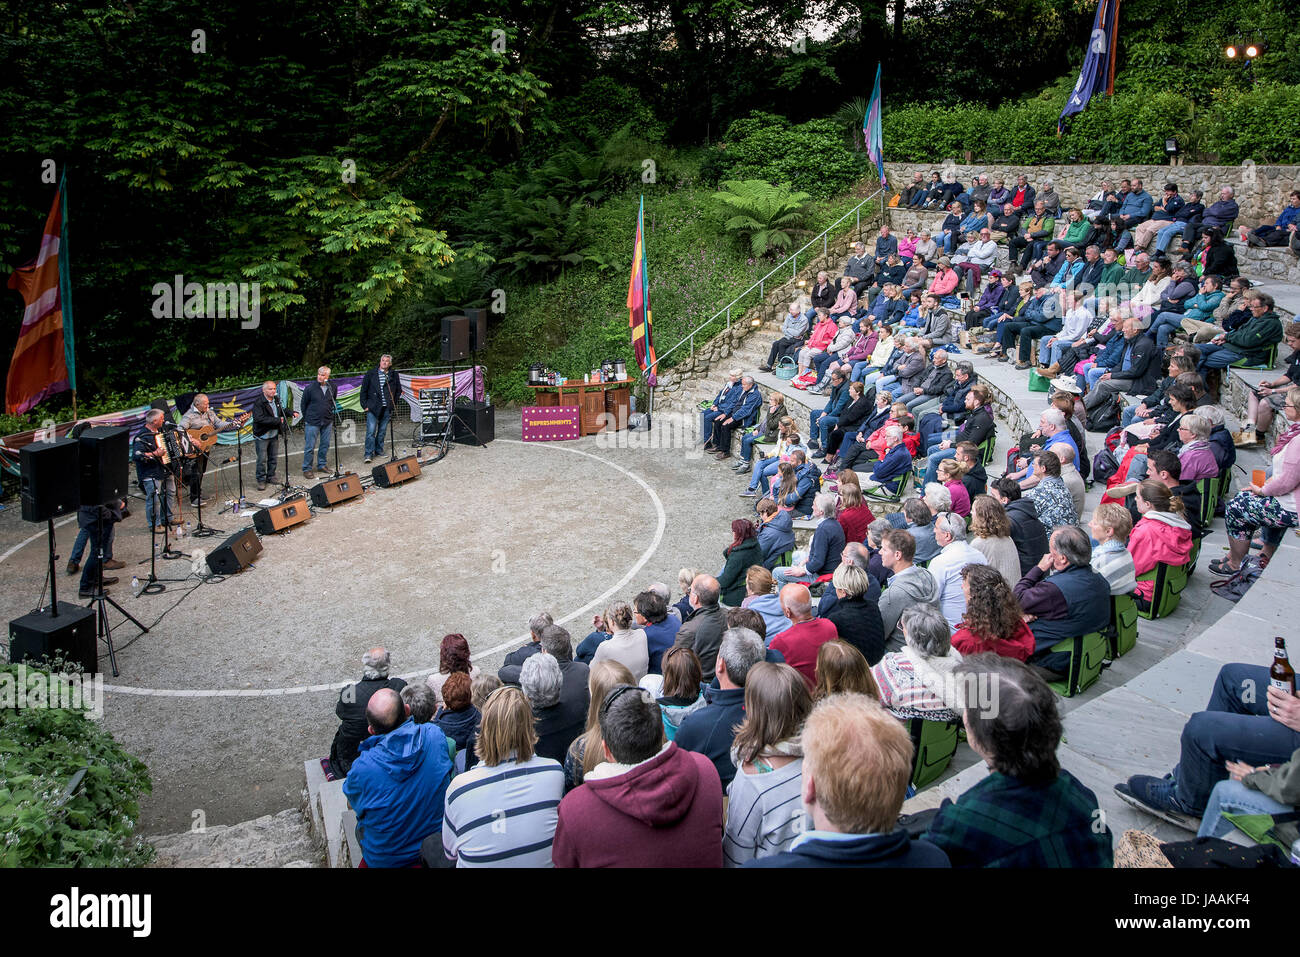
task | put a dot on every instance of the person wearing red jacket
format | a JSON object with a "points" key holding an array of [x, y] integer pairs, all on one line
{"points": [[1161, 535], [648, 804], [993, 621]]}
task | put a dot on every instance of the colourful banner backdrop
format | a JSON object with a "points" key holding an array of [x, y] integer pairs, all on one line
{"points": [[551, 423], [871, 134], [231, 403]]}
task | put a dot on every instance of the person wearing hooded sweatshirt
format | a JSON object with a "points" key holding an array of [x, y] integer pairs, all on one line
{"points": [[680, 694], [1027, 530], [775, 534], [909, 585], [1162, 535], [398, 783], [650, 803]]}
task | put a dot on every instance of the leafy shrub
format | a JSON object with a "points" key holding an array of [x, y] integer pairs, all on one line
{"points": [[41, 750], [768, 215], [1256, 124], [812, 157]]}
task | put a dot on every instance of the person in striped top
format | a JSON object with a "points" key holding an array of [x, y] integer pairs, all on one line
{"points": [[503, 812], [1111, 525]]}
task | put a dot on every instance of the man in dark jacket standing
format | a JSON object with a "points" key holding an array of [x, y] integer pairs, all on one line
{"points": [[268, 421], [351, 709], [1134, 373], [711, 730], [380, 390], [318, 420], [702, 629], [857, 760]]}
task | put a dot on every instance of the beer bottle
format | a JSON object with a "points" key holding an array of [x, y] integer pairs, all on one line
{"points": [[1281, 675]]}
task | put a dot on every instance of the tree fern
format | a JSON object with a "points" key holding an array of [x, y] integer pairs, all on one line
{"points": [[769, 216]]}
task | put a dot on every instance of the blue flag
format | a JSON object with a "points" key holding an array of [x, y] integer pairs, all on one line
{"points": [[871, 134], [1098, 63]]}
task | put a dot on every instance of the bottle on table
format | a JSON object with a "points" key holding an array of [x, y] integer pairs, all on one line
{"points": [[1281, 675]]}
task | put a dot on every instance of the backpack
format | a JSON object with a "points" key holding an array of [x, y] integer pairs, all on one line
{"points": [[1104, 465], [1105, 416], [1237, 584]]}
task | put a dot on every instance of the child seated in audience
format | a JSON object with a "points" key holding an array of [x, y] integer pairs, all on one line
{"points": [[1111, 559]]}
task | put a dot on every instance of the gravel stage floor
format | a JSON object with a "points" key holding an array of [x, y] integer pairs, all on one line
{"points": [[234, 687]]}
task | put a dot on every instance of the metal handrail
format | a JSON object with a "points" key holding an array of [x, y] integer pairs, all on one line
{"points": [[792, 261]]}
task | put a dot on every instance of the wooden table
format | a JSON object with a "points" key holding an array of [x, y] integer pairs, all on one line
{"points": [[594, 400]]}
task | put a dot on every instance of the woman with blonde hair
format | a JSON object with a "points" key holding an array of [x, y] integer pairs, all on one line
{"points": [[627, 645], [509, 782], [585, 752], [990, 529], [842, 669], [768, 755], [950, 473]]}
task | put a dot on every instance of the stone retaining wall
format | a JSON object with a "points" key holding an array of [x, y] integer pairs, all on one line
{"points": [[1261, 191]]}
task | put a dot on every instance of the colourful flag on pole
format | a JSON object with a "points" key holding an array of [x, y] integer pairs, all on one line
{"points": [[43, 363], [1098, 70], [638, 300], [871, 134]]}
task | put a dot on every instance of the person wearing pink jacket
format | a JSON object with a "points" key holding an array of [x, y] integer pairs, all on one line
{"points": [[822, 335], [847, 301], [945, 279], [1161, 535]]}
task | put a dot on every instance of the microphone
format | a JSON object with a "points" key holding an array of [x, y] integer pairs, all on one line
{"points": [[169, 427]]}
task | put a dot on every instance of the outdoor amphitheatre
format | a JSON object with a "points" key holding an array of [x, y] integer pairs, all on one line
{"points": [[644, 437]]}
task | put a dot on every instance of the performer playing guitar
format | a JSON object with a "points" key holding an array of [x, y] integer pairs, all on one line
{"points": [[203, 425]]}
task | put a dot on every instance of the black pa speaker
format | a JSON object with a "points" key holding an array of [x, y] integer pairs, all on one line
{"points": [[50, 484], [236, 553], [477, 329], [105, 458], [37, 637], [474, 424], [455, 338]]}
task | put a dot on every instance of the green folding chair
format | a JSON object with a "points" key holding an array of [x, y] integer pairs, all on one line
{"points": [[933, 745], [987, 448], [1087, 655], [1123, 633], [1209, 489], [1266, 365], [883, 497], [1170, 580]]}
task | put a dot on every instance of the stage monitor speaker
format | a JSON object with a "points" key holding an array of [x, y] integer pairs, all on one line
{"points": [[395, 473], [337, 490], [474, 424], [279, 518], [38, 638], [105, 460], [455, 338], [49, 484], [236, 553], [477, 329]]}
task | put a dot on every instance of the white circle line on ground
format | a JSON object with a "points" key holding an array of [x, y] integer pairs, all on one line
{"points": [[42, 534], [662, 524]]}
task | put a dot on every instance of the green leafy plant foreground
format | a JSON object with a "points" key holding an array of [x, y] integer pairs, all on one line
{"points": [[41, 751]]}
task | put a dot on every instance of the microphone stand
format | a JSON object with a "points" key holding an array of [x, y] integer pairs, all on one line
{"points": [[337, 437], [201, 530], [239, 457], [284, 434]]}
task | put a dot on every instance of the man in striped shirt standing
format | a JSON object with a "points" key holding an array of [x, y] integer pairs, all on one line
{"points": [[503, 812]]}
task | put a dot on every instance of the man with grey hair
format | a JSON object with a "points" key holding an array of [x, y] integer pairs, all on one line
{"points": [[823, 551], [664, 592], [201, 416], [800, 643], [946, 567], [147, 453], [420, 700], [380, 391], [1063, 597], [860, 267], [575, 696], [794, 330], [1134, 371], [509, 671], [268, 424], [351, 709], [711, 730], [857, 555], [542, 682], [703, 627], [893, 465], [742, 415], [318, 401], [1054, 431]]}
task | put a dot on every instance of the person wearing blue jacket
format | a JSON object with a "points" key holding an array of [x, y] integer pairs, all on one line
{"points": [[1135, 209], [398, 784], [824, 551], [1287, 224], [723, 405], [807, 482], [821, 421], [775, 532], [743, 414], [896, 463]]}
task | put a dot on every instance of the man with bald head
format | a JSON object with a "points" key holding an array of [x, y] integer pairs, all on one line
{"points": [[200, 415], [702, 630], [398, 785], [801, 642], [268, 424], [351, 708]]}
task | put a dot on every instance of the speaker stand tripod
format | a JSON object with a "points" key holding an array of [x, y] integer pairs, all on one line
{"points": [[103, 630]]}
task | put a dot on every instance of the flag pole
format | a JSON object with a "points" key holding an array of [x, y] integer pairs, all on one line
{"points": [[1114, 46]]}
